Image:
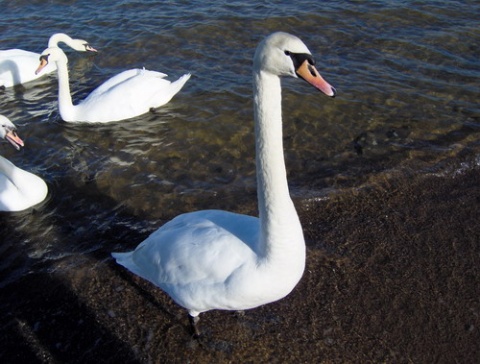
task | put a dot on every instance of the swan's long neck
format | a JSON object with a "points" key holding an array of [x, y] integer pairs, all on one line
{"points": [[65, 104], [59, 37], [280, 228]]}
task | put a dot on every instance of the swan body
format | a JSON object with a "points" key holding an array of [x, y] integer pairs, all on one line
{"points": [[131, 93], [215, 259], [18, 66], [19, 189]]}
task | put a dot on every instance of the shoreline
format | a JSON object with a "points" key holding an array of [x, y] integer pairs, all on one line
{"points": [[392, 276]]}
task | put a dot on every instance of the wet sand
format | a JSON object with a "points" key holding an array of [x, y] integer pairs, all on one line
{"points": [[392, 276]]}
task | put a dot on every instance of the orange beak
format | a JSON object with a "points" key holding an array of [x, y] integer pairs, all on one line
{"points": [[310, 74], [14, 139], [43, 64], [89, 48]]}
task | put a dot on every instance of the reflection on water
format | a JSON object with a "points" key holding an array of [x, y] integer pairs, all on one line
{"points": [[407, 76]]}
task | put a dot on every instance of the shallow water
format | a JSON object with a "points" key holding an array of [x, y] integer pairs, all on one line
{"points": [[407, 75]]}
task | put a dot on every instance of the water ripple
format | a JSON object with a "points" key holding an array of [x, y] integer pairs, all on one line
{"points": [[407, 74]]}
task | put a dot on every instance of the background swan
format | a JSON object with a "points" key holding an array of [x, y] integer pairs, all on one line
{"points": [[215, 259], [126, 95], [19, 189], [18, 66], [8, 131]]}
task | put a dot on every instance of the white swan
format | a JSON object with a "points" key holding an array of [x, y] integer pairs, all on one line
{"points": [[8, 131], [126, 95], [19, 189], [215, 259], [18, 66]]}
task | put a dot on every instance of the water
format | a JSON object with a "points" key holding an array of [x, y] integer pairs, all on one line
{"points": [[407, 75]]}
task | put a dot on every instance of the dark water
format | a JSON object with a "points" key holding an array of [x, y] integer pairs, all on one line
{"points": [[407, 75]]}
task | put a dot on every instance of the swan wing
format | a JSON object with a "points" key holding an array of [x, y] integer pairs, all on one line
{"points": [[119, 79], [201, 248], [129, 94], [14, 53]]}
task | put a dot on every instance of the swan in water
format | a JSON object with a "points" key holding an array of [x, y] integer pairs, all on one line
{"points": [[214, 259], [19, 189], [18, 66], [8, 131], [130, 93]]}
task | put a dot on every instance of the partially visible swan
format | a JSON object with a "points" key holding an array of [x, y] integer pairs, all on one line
{"points": [[18, 66], [8, 131], [213, 259], [126, 95], [19, 189]]}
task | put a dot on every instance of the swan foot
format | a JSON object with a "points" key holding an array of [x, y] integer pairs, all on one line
{"points": [[194, 325], [240, 313]]}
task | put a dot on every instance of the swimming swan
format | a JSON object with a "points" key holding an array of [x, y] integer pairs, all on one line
{"points": [[18, 66], [19, 189], [8, 131], [126, 95], [215, 259]]}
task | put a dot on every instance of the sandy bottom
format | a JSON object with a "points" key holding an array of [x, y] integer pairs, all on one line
{"points": [[392, 276]]}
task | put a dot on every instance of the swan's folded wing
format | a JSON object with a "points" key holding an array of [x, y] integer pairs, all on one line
{"points": [[119, 79], [190, 251], [125, 96], [9, 54]]}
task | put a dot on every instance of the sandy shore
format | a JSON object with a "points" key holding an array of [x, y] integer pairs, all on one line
{"points": [[392, 276]]}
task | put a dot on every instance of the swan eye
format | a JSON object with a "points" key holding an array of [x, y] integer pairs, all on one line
{"points": [[288, 53], [299, 58]]}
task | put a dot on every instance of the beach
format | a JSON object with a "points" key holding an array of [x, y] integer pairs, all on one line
{"points": [[392, 276]]}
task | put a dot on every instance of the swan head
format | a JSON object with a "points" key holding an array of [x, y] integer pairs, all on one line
{"points": [[8, 131], [81, 45], [51, 54], [283, 54]]}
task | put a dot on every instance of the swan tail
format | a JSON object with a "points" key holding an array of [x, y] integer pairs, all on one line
{"points": [[126, 260], [177, 85], [164, 96]]}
